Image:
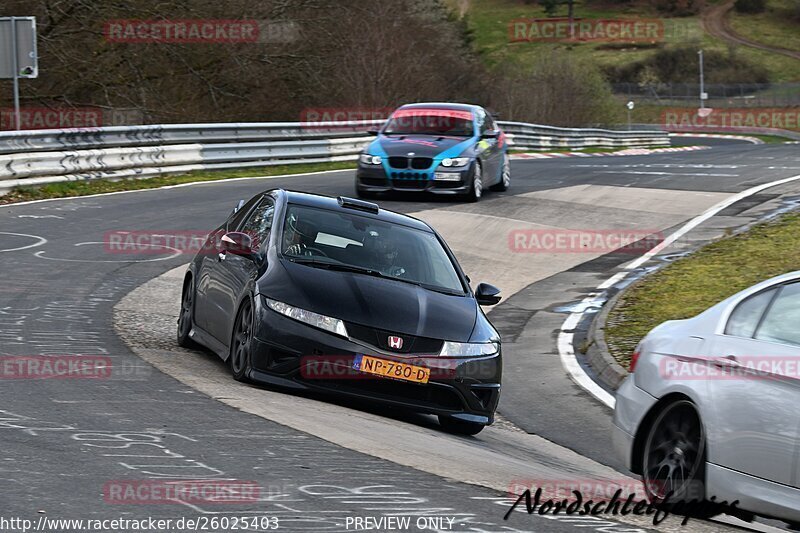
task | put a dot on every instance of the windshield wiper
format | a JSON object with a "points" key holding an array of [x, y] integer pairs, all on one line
{"points": [[336, 266]]}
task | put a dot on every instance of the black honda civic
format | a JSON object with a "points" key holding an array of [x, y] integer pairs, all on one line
{"points": [[338, 295]]}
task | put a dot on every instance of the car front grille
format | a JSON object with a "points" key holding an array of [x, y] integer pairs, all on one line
{"points": [[398, 162], [380, 339], [417, 163], [421, 163]]}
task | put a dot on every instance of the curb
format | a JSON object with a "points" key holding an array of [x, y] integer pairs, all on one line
{"points": [[609, 372]]}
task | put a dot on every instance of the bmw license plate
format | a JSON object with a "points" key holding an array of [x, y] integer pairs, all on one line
{"points": [[391, 369]]}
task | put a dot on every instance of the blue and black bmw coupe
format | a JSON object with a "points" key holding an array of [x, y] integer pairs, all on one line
{"points": [[450, 149]]}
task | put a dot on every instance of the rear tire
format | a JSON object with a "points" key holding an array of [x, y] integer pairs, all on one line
{"points": [[460, 427], [674, 460], [186, 315], [505, 177], [476, 184], [241, 349]]}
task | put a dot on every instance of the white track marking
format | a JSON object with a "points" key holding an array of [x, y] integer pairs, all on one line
{"points": [[39, 241], [176, 253], [566, 337]]}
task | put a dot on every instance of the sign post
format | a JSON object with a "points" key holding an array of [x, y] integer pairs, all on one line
{"points": [[18, 58]]}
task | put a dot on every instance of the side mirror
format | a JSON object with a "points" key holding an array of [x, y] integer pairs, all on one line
{"points": [[490, 135], [372, 132], [487, 294], [237, 243]]}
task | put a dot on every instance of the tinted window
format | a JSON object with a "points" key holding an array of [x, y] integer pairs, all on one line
{"points": [[745, 318], [782, 321], [236, 218], [352, 240], [259, 225]]}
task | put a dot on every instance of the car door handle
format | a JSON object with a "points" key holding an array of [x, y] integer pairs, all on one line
{"points": [[726, 362]]}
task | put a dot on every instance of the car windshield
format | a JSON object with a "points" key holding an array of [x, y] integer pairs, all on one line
{"points": [[430, 122], [348, 241]]}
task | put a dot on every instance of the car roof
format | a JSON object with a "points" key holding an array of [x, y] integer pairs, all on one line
{"points": [[442, 105], [332, 204]]}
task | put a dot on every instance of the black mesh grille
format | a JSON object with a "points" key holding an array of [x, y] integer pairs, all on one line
{"points": [[389, 389], [410, 184], [421, 163], [373, 181], [398, 162]]}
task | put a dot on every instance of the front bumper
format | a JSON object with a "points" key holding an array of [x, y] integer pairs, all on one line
{"points": [[292, 354], [374, 179]]}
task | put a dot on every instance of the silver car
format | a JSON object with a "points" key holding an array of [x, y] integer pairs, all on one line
{"points": [[712, 405]]}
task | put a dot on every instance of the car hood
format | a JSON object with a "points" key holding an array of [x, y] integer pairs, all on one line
{"points": [[370, 301], [419, 145]]}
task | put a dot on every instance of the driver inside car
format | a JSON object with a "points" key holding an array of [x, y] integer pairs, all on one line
{"points": [[383, 253], [301, 238]]}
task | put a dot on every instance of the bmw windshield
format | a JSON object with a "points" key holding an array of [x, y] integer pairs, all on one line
{"points": [[354, 243], [430, 122]]}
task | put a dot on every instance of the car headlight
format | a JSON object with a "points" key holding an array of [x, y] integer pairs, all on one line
{"points": [[334, 325], [368, 159], [468, 349], [455, 162]]}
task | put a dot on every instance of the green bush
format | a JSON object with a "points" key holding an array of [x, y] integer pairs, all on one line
{"points": [[680, 65], [750, 6], [679, 8]]}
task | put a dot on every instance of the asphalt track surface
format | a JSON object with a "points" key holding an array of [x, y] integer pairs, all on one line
{"points": [[65, 440]]}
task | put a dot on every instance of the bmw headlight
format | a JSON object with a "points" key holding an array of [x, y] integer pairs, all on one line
{"points": [[455, 162], [368, 159], [468, 349], [334, 325]]}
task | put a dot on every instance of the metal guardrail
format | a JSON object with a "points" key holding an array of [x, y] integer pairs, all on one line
{"points": [[47, 156]]}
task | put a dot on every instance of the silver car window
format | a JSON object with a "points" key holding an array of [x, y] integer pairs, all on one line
{"points": [[782, 321], [745, 318]]}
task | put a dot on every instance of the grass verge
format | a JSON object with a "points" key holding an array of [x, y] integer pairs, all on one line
{"points": [[777, 26], [99, 186], [696, 282]]}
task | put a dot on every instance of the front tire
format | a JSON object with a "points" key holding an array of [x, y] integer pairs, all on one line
{"points": [[241, 349], [476, 185], [505, 178], [186, 315], [674, 457], [460, 427]]}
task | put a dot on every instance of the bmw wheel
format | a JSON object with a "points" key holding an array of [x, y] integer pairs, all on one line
{"points": [[505, 179], [674, 455], [476, 191], [242, 343]]}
